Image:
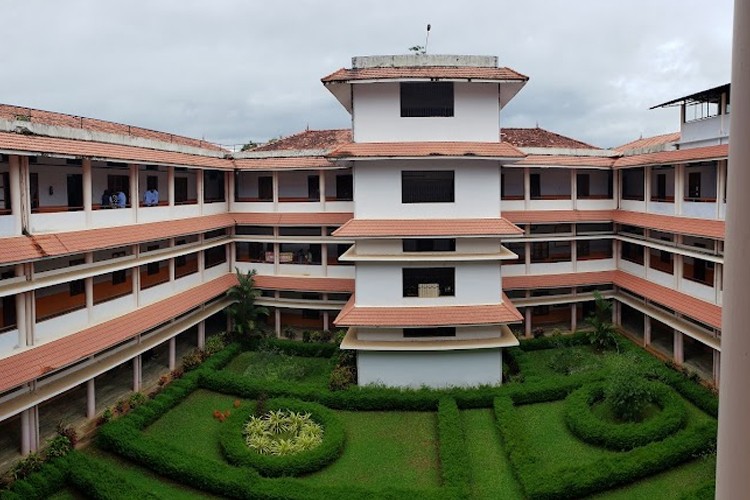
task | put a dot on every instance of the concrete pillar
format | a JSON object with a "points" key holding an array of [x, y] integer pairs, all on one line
{"points": [[171, 261], [720, 180], [90, 399], [573, 317], [21, 320], [647, 187], [199, 178], [526, 188], [277, 321], [732, 478], [326, 321], [527, 321], [137, 373], [170, 186], [172, 353], [322, 188], [717, 367], [89, 287], [275, 185], [14, 178], [677, 351], [574, 187], [201, 258], [229, 325], [201, 335], [88, 189], [679, 188], [135, 196], [646, 330], [276, 256], [231, 182], [25, 432]]}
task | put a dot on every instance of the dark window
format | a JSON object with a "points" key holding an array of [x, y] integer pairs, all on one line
{"points": [[631, 252], [213, 186], [214, 256], [694, 185], [427, 186], [8, 305], [265, 188], [152, 182], [152, 267], [180, 189], [118, 276], [429, 281], [536, 186], [423, 99], [583, 248], [180, 260], [661, 187], [632, 184], [75, 192], [34, 189], [430, 245], [5, 191], [77, 287], [313, 187], [117, 183], [445, 331], [583, 185], [344, 187]]}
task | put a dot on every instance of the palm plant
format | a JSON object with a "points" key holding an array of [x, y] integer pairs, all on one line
{"points": [[243, 310], [602, 335]]}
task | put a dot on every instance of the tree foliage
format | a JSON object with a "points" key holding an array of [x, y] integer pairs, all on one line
{"points": [[602, 335], [243, 310]]}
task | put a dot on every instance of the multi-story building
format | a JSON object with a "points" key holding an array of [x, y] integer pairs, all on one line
{"points": [[422, 209]]}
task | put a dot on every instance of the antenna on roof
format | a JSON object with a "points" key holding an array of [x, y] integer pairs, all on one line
{"points": [[427, 39]]}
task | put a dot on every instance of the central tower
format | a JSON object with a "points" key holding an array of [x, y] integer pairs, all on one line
{"points": [[428, 307]]}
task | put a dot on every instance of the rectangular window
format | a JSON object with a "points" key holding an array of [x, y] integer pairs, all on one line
{"points": [[426, 99], [180, 189], [5, 192], [77, 287], [661, 187], [583, 185], [344, 187], [430, 245], [265, 188], [121, 275], [536, 186], [632, 184], [427, 186], [313, 187], [445, 331], [429, 281], [694, 185], [152, 182], [631, 252], [152, 267]]}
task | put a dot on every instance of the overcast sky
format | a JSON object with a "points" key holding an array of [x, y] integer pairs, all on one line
{"points": [[232, 71]]}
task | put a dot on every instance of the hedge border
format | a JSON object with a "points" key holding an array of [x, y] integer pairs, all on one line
{"points": [[237, 452], [588, 427], [574, 481], [452, 448]]}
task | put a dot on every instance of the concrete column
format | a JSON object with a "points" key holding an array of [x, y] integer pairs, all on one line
{"points": [[231, 179], [720, 180], [137, 277], [21, 320], [326, 321], [527, 321], [229, 324], [677, 350], [574, 187], [199, 177], [679, 188], [171, 261], [276, 256], [275, 185], [732, 478], [647, 187], [135, 196], [172, 353], [646, 330], [25, 432], [526, 188], [201, 335], [574, 254], [322, 188], [716, 367], [137, 374], [573, 317], [30, 304], [277, 321], [201, 259], [90, 399], [678, 263], [89, 286], [14, 178], [88, 189], [324, 258], [170, 186]]}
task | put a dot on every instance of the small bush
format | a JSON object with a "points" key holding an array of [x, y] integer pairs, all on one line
{"points": [[192, 360], [68, 432], [341, 378], [567, 361], [24, 467], [452, 450], [627, 392], [106, 416], [58, 446], [136, 399], [538, 332], [214, 344]]}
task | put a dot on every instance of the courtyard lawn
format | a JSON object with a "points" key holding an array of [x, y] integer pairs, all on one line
{"points": [[191, 427], [66, 494], [491, 474], [157, 486], [386, 449], [279, 367], [687, 477]]}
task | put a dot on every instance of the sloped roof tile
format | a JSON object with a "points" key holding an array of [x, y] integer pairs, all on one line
{"points": [[428, 72]]}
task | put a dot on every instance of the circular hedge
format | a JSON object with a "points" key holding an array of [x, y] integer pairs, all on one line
{"points": [[237, 452], [588, 427]]}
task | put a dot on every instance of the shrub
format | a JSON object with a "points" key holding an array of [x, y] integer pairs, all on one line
{"points": [[214, 344], [68, 432], [538, 332], [627, 392], [106, 416], [452, 447], [177, 373], [24, 467], [567, 361], [341, 378], [192, 359], [602, 335], [58, 446], [589, 427], [137, 399]]}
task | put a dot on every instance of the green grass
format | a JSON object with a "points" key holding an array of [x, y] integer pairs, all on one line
{"points": [[149, 482], [670, 485], [542, 363], [605, 412], [191, 427], [386, 449], [275, 367], [491, 474], [66, 494]]}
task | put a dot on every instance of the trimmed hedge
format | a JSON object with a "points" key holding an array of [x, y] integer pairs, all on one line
{"points": [[572, 481], [102, 480], [452, 450], [297, 348], [238, 453], [623, 436], [43, 483]]}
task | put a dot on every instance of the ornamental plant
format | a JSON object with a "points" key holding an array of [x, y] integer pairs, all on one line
{"points": [[602, 335], [282, 433], [243, 310], [627, 392]]}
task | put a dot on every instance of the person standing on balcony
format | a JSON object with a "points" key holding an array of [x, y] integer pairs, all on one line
{"points": [[151, 197], [122, 200]]}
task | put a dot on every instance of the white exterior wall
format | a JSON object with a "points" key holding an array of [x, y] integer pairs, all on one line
{"points": [[698, 290], [377, 115], [462, 333], [8, 342], [377, 189], [583, 266], [381, 284], [431, 369], [704, 132]]}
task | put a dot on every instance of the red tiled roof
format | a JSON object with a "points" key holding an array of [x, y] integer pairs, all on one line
{"points": [[567, 161], [545, 216], [648, 142], [396, 228], [309, 139], [695, 308], [426, 149], [18, 249], [290, 163], [51, 145], [493, 314], [557, 280], [429, 72], [292, 218], [540, 138], [35, 362], [10, 112], [717, 152], [305, 284], [94, 239], [671, 223]]}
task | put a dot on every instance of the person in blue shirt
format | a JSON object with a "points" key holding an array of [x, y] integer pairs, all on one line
{"points": [[121, 200]]}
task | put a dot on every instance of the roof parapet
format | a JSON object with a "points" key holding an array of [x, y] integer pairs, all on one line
{"points": [[424, 60]]}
